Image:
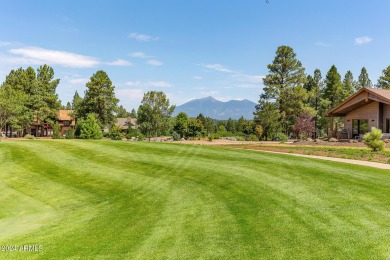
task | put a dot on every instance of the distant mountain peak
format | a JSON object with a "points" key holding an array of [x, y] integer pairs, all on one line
{"points": [[213, 108]]}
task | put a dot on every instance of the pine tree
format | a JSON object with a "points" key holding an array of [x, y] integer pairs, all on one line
{"points": [[384, 79], [284, 83], [333, 87], [76, 101], [349, 85], [364, 81], [99, 99]]}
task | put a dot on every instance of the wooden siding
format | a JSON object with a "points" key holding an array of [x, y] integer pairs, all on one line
{"points": [[369, 112], [386, 114]]}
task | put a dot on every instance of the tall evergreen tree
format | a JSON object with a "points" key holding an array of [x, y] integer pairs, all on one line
{"points": [[133, 113], [99, 99], [76, 100], [349, 85], [333, 87], [314, 86], [284, 84], [364, 81], [384, 79]]}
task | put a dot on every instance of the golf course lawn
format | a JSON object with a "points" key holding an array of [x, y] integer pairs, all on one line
{"points": [[124, 200]]}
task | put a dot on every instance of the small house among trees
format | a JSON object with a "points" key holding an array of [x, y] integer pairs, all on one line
{"points": [[64, 119], [366, 108]]}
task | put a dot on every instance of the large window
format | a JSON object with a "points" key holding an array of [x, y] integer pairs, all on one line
{"points": [[66, 123], [359, 126]]}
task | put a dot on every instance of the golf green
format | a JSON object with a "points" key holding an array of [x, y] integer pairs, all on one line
{"points": [[124, 200]]}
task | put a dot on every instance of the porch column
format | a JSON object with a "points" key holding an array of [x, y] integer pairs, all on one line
{"points": [[331, 126]]}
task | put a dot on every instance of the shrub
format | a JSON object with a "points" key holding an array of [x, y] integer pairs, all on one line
{"points": [[115, 132], [281, 137], [28, 136], [175, 136], [90, 129], [251, 138], [56, 131], [140, 136], [210, 138], [70, 133], [373, 140]]}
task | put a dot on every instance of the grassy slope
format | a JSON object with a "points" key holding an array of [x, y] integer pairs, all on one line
{"points": [[91, 199]]}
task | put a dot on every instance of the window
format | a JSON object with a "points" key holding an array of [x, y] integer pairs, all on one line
{"points": [[66, 123], [387, 125], [359, 126]]}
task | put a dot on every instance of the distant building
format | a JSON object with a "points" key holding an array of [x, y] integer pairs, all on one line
{"points": [[365, 109], [124, 124], [64, 119]]}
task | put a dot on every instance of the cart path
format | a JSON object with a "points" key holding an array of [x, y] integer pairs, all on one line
{"points": [[334, 159]]}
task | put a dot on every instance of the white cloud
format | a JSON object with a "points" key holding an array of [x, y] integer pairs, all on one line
{"points": [[35, 55], [197, 77], [139, 55], [363, 40], [155, 84], [154, 62], [217, 67], [119, 62], [142, 37]]}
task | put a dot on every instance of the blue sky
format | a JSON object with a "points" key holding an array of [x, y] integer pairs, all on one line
{"points": [[190, 49]]}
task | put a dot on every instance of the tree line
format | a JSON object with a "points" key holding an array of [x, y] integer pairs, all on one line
{"points": [[292, 103]]}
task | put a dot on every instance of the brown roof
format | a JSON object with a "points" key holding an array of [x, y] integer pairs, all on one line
{"points": [[124, 122], [382, 94], [385, 93], [63, 114]]}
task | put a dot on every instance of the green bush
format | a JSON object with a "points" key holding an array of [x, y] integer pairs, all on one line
{"points": [[141, 137], [106, 134], [28, 136], [90, 129], [373, 140], [56, 131], [175, 136], [251, 138], [115, 133], [70, 133], [210, 138], [281, 137]]}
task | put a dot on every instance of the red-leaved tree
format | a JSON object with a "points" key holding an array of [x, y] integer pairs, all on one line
{"points": [[304, 126]]}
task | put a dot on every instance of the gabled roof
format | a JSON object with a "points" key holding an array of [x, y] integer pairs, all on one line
{"points": [[361, 98], [64, 114], [125, 122]]}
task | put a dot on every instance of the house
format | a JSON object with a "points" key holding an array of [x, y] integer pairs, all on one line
{"points": [[366, 108], [64, 119], [124, 123]]}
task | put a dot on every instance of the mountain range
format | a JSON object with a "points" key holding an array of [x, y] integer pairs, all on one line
{"points": [[210, 107]]}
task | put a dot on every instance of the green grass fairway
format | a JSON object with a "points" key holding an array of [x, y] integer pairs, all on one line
{"points": [[127, 200]]}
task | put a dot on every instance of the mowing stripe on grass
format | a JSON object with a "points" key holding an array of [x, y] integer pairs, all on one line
{"points": [[107, 199]]}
